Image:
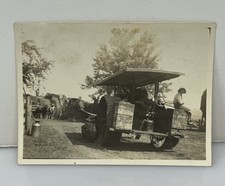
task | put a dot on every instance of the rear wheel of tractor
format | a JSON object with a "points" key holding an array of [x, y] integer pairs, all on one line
{"points": [[171, 142], [157, 141], [164, 142]]}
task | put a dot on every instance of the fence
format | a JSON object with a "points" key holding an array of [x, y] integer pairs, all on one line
{"points": [[27, 114]]}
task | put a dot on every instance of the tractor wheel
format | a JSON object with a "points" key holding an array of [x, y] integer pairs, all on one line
{"points": [[89, 132], [164, 142], [158, 142], [171, 142]]}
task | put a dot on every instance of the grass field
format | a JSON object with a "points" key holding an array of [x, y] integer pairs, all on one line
{"points": [[63, 140]]}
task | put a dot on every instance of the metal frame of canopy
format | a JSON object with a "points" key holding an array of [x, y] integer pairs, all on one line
{"points": [[138, 77]]}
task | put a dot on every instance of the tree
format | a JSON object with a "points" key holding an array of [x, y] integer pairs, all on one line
{"points": [[126, 48], [35, 66]]}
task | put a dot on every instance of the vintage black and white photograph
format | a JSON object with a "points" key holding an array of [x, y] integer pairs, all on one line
{"points": [[135, 93]]}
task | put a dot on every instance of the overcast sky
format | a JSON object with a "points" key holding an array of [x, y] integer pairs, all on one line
{"points": [[182, 47]]}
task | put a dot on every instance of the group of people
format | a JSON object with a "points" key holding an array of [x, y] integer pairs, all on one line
{"points": [[144, 102], [44, 111]]}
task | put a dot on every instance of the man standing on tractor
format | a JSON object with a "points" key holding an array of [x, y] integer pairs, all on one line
{"points": [[142, 106]]}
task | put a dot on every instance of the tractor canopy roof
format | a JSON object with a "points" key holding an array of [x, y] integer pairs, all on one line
{"points": [[138, 77]]}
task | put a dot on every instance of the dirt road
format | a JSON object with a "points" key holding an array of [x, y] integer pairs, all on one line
{"points": [[61, 139]]}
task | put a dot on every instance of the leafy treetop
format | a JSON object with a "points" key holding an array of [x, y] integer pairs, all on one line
{"points": [[35, 66], [126, 49]]}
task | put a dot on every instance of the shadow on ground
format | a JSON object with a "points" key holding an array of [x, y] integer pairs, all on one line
{"points": [[126, 144]]}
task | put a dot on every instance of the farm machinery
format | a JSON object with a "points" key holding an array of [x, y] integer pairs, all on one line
{"points": [[131, 111]]}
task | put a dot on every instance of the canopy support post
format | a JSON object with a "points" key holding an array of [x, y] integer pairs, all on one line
{"points": [[156, 89]]}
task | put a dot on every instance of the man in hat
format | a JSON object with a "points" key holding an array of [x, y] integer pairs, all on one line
{"points": [[179, 104]]}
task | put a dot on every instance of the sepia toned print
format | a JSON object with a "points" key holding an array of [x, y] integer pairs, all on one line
{"points": [[115, 93]]}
